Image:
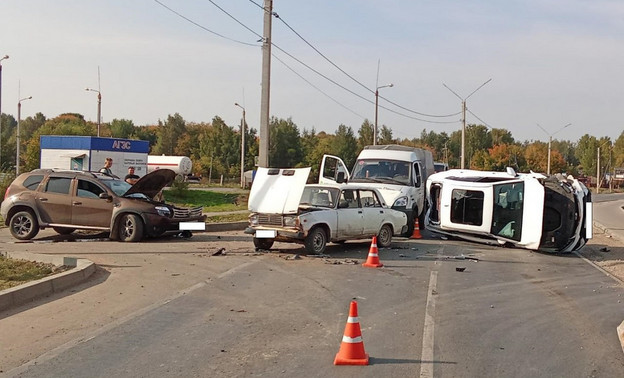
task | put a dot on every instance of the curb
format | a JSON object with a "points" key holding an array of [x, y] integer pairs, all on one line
{"points": [[609, 231], [227, 226], [82, 269]]}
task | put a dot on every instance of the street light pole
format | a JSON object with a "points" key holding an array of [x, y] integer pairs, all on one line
{"points": [[242, 178], [463, 144], [377, 108], [99, 110], [1, 59], [19, 117], [550, 142]]}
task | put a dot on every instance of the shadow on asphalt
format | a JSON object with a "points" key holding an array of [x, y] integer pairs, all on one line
{"points": [[99, 276]]}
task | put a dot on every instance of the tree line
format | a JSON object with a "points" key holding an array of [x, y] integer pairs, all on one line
{"points": [[214, 147]]}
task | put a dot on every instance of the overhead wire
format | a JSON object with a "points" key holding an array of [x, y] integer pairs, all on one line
{"points": [[300, 62], [201, 26]]}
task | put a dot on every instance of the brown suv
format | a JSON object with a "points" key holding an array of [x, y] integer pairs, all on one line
{"points": [[70, 200]]}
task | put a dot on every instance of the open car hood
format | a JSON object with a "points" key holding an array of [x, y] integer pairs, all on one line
{"points": [[153, 182], [277, 191]]}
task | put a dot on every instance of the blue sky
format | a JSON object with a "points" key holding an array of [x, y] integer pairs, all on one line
{"points": [[551, 62]]}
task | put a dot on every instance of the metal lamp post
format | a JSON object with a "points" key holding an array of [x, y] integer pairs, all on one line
{"points": [[19, 118], [550, 142], [242, 178], [99, 112], [463, 144], [1, 59], [377, 108]]}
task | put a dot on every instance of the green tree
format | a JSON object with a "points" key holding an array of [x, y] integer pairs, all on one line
{"points": [[501, 136], [344, 145], [365, 135], [122, 128], [168, 134], [284, 143], [618, 151], [385, 136]]}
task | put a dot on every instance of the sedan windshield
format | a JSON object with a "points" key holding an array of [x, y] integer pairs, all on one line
{"points": [[320, 196]]}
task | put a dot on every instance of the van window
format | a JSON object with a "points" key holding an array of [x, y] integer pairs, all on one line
{"points": [[417, 175], [467, 207]]}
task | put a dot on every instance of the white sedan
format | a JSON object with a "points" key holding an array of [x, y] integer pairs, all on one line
{"points": [[284, 209]]}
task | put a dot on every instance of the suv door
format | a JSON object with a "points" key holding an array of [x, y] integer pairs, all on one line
{"points": [[88, 209], [54, 200]]}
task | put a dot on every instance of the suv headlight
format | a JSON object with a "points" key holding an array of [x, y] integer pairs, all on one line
{"points": [[400, 202], [163, 211], [253, 220]]}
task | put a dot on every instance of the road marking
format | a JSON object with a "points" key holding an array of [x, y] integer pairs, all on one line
{"points": [[426, 359]]}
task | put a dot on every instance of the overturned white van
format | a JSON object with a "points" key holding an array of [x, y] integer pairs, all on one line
{"points": [[533, 211]]}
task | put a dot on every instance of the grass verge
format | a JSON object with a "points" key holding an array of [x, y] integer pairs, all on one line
{"points": [[16, 272]]}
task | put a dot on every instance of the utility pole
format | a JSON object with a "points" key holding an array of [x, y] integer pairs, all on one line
{"points": [[463, 144], [263, 158]]}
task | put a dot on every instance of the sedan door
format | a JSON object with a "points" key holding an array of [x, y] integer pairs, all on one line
{"points": [[350, 215], [372, 211]]}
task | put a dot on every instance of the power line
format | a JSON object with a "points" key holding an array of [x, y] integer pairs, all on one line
{"points": [[203, 27], [300, 62]]}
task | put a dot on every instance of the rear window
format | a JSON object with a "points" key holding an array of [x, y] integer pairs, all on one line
{"points": [[58, 185], [32, 182]]}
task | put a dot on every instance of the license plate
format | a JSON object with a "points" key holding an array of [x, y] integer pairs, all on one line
{"points": [[266, 234], [192, 226]]}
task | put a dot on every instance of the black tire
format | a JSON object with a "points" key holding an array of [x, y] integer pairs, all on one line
{"points": [[316, 241], [63, 230], [384, 237], [422, 218], [24, 225], [130, 228], [263, 243]]}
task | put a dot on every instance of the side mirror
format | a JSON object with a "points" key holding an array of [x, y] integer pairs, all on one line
{"points": [[511, 172], [105, 196], [340, 178]]}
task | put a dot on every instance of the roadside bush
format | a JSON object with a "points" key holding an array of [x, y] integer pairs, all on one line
{"points": [[179, 186]]}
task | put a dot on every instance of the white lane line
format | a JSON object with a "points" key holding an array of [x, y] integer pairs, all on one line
{"points": [[426, 359]]}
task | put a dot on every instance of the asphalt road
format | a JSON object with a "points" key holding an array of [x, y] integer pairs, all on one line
{"points": [[169, 308]]}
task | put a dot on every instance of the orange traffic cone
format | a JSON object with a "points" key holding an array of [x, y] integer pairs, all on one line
{"points": [[372, 261], [416, 234], [352, 347]]}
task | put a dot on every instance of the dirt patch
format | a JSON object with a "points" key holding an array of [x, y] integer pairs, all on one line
{"points": [[607, 252]]}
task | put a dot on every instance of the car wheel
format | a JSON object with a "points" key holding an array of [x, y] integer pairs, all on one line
{"points": [[130, 228], [316, 241], [263, 243], [384, 238], [63, 230], [24, 225]]}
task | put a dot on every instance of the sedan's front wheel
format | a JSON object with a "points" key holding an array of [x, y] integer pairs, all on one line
{"points": [[131, 228], [316, 241], [384, 238], [24, 225]]}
